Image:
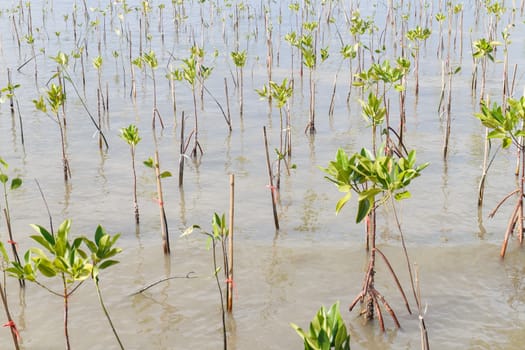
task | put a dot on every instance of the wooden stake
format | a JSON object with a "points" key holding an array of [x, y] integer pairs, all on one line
{"points": [[229, 293], [272, 187], [163, 220]]}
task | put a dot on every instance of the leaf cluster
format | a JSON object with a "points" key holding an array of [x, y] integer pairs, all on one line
{"points": [[370, 176], [327, 331], [57, 255], [507, 125]]}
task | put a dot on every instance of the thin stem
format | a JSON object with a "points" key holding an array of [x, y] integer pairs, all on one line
{"points": [[95, 279]]}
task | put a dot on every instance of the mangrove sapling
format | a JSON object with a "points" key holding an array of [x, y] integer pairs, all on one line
{"points": [[371, 176], [483, 50], [307, 45], [327, 331], [239, 59], [97, 64], [56, 98], [102, 251], [151, 60], [132, 138], [63, 75], [154, 164], [219, 233], [509, 125], [417, 35], [66, 262], [14, 184], [4, 261], [194, 72], [9, 91], [281, 93]]}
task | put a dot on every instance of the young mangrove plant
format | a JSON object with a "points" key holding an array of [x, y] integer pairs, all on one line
{"points": [[13, 185], [280, 94], [327, 331], [155, 165], [508, 125], [417, 35], [376, 180], [57, 257], [103, 250], [195, 72], [218, 235], [66, 261], [483, 51], [239, 59], [151, 60], [56, 98], [132, 138], [4, 261], [9, 91]]}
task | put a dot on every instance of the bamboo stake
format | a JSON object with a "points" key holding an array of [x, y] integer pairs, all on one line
{"points": [[272, 187], [10, 323], [163, 220], [229, 293]]}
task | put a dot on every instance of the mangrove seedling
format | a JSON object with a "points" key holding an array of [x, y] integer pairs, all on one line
{"points": [[417, 35], [509, 126], [57, 258], [239, 59], [376, 180], [218, 235], [327, 331], [4, 261], [154, 164], [102, 252], [151, 60], [194, 72], [131, 136], [281, 93], [56, 98], [13, 185], [483, 51]]}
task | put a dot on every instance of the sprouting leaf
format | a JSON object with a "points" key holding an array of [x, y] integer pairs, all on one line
{"points": [[190, 230], [107, 264], [340, 204], [363, 209], [149, 162], [402, 195], [16, 183], [165, 174]]}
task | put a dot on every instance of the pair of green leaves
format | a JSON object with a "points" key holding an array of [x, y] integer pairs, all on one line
{"points": [[15, 182], [327, 331], [370, 176]]}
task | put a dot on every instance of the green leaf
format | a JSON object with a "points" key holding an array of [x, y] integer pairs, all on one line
{"points": [[16, 183], [149, 162], [46, 268], [107, 264], [364, 207], [340, 204], [165, 174], [402, 195], [3, 178], [189, 230]]}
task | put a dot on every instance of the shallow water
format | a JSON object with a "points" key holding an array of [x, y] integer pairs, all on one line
{"points": [[473, 299]]}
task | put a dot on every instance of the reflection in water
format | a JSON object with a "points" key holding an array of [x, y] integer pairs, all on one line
{"points": [[182, 207], [275, 278]]}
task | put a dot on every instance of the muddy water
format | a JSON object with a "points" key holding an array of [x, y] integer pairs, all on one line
{"points": [[473, 300]]}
